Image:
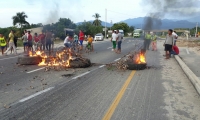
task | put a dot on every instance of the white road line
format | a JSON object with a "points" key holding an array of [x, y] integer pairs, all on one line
{"points": [[117, 59], [101, 66], [8, 58], [35, 70], [109, 47], [187, 51], [81, 75], [36, 94]]}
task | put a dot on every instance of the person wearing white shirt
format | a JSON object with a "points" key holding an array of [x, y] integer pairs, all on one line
{"points": [[114, 39], [175, 37], [67, 42]]}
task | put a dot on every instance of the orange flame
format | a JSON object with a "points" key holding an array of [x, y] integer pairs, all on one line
{"points": [[140, 59], [59, 60]]}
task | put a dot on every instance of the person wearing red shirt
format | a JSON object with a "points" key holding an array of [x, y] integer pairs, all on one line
{"points": [[81, 38], [175, 50], [30, 43], [36, 42], [42, 39]]}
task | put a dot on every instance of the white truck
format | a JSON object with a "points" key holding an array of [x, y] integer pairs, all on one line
{"points": [[137, 33]]}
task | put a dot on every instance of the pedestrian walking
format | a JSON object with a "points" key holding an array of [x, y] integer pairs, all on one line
{"points": [[107, 36], [168, 44], [11, 43], [2, 43], [147, 41], [81, 38], [114, 40], [119, 41], [154, 42]]}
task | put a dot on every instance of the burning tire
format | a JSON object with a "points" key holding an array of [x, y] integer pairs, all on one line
{"points": [[80, 63], [26, 60], [135, 66]]}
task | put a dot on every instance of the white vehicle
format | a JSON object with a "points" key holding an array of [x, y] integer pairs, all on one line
{"points": [[122, 32], [99, 36], [137, 33]]}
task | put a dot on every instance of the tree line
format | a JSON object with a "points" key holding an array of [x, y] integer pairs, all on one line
{"points": [[20, 24]]}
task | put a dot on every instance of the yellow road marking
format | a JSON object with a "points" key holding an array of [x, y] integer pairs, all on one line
{"points": [[116, 101]]}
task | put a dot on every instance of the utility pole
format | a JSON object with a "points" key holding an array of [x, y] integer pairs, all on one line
{"points": [[196, 29], [105, 20], [111, 24]]}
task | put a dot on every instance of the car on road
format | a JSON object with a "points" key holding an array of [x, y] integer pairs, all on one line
{"points": [[99, 36]]}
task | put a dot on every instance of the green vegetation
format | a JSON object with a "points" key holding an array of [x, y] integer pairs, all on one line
{"points": [[96, 22], [123, 26], [20, 18], [20, 24]]}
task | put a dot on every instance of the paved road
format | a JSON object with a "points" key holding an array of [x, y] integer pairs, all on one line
{"points": [[162, 92]]}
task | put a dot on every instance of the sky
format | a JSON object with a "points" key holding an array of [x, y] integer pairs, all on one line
{"points": [[45, 11], [49, 11]]}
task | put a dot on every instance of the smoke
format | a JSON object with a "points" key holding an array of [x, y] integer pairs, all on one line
{"points": [[54, 14], [173, 8]]}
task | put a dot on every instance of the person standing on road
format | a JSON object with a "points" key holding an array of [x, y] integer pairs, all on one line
{"points": [[30, 41], [48, 40], [25, 41], [81, 39], [11, 43], [75, 38], [154, 42], [90, 40], [2, 43], [52, 40], [147, 41], [119, 41], [36, 42], [169, 43], [175, 37], [114, 40], [42, 39]]}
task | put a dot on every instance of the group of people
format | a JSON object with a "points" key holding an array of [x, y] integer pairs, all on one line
{"points": [[116, 40], [150, 39], [12, 43], [43, 41], [170, 44], [31, 43], [78, 40]]}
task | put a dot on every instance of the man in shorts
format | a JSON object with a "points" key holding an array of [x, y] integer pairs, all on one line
{"points": [[168, 44], [81, 39], [119, 41], [2, 43]]}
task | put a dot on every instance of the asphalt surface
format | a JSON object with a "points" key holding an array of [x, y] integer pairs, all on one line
{"points": [[152, 94]]}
